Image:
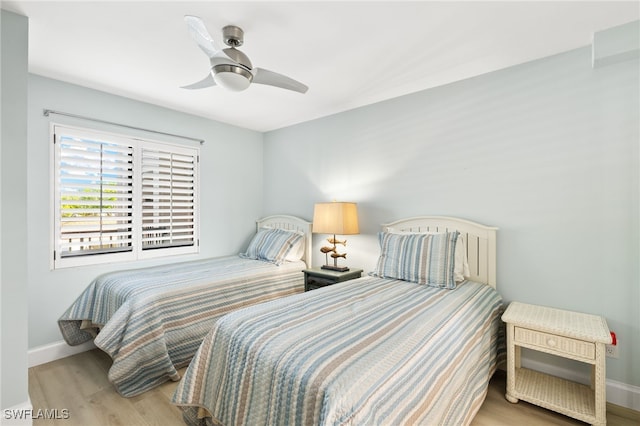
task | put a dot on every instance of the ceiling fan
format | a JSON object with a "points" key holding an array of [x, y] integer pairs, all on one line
{"points": [[230, 68]]}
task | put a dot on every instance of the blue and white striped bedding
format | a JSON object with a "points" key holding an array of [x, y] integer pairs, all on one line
{"points": [[370, 351], [151, 321]]}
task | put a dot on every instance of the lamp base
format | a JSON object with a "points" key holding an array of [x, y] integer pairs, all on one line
{"points": [[335, 268]]}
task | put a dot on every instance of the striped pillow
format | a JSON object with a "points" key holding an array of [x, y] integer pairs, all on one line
{"points": [[421, 258], [271, 245]]}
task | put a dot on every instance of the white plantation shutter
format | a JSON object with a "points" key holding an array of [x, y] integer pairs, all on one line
{"points": [[95, 196], [168, 198], [119, 198]]}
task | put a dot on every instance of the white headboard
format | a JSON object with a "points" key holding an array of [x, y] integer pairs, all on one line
{"points": [[480, 241], [291, 223]]}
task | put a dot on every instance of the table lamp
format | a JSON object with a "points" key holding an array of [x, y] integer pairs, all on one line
{"points": [[337, 218]]}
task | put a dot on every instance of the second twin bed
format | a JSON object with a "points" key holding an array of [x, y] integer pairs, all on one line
{"points": [[410, 345]]}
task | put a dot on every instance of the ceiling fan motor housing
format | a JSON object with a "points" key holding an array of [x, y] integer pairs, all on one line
{"points": [[233, 36], [238, 57]]}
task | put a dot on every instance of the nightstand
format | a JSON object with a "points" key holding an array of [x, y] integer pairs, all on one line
{"points": [[317, 277], [573, 335]]}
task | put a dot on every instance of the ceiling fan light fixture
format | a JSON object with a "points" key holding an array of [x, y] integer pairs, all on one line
{"points": [[232, 77], [230, 68]]}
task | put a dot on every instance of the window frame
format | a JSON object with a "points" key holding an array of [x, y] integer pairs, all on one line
{"points": [[137, 252]]}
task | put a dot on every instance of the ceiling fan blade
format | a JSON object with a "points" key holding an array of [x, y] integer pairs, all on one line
{"points": [[262, 76], [208, 81], [199, 33]]}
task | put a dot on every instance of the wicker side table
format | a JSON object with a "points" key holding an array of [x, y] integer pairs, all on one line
{"points": [[573, 335]]}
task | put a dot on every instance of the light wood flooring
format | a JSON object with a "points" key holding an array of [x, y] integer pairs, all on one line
{"points": [[79, 384]]}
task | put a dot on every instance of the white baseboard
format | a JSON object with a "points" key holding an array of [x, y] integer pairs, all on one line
{"points": [[618, 393], [18, 415], [623, 394], [54, 351]]}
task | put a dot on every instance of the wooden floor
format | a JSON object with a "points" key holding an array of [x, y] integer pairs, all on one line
{"points": [[79, 384]]}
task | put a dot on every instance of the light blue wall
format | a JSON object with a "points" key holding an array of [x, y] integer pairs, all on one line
{"points": [[230, 176], [547, 151], [13, 206]]}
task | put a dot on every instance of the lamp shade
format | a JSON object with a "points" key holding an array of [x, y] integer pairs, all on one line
{"points": [[335, 218]]}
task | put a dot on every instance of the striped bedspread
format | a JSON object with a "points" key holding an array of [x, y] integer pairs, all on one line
{"points": [[369, 351], [151, 321]]}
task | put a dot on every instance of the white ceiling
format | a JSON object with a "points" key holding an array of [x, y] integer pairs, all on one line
{"points": [[350, 54]]}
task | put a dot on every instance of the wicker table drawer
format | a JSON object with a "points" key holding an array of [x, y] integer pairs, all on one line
{"points": [[555, 344]]}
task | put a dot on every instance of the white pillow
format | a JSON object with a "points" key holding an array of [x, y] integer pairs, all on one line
{"points": [[461, 262]]}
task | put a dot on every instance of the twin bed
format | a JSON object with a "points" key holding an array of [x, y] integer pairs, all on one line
{"points": [[411, 344], [152, 320], [415, 342]]}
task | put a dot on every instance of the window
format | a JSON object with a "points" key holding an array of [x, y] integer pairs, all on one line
{"points": [[120, 198]]}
